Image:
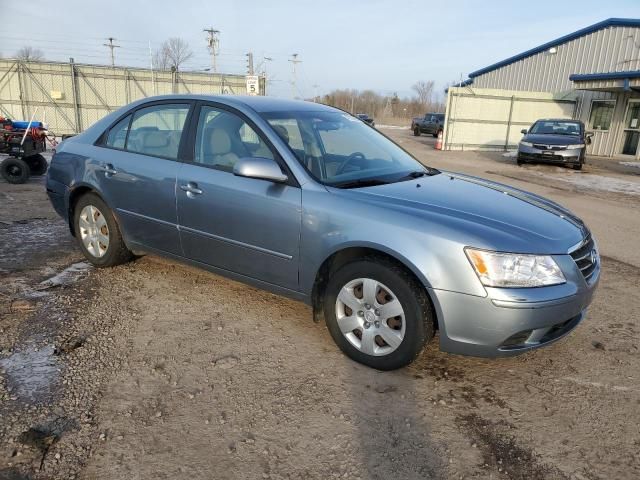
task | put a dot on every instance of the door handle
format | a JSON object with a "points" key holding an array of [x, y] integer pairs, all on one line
{"points": [[191, 189], [108, 170]]}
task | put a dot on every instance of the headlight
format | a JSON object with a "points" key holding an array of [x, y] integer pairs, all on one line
{"points": [[572, 147], [526, 144], [497, 269]]}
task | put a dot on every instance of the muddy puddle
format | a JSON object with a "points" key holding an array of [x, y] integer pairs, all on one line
{"points": [[31, 243], [31, 374]]}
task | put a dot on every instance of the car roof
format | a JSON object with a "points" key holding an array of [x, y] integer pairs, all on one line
{"points": [[558, 120], [257, 103]]}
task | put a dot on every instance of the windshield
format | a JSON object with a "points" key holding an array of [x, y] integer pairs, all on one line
{"points": [[342, 151], [555, 127]]}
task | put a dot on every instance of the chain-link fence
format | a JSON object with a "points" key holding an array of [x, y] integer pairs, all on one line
{"points": [[70, 97]]}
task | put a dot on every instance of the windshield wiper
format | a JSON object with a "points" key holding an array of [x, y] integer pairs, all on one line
{"points": [[417, 174], [363, 182]]}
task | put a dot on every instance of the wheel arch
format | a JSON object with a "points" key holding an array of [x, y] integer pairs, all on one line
{"points": [[77, 192], [348, 253]]}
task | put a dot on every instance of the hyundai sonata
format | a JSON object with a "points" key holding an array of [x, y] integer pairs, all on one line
{"points": [[307, 201]]}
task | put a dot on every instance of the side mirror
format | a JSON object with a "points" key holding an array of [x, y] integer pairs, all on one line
{"points": [[523, 131], [258, 167], [587, 137]]}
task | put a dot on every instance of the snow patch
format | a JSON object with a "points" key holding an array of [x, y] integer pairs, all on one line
{"points": [[391, 127], [69, 275], [630, 164], [597, 182]]}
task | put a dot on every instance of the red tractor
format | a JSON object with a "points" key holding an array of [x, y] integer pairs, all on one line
{"points": [[24, 142]]}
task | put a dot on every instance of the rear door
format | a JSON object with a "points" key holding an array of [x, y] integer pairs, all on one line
{"points": [[136, 167], [244, 225]]}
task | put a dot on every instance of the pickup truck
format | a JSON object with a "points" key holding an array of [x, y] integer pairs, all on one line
{"points": [[432, 123]]}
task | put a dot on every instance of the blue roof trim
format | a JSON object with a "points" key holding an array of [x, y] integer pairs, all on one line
{"points": [[611, 22], [585, 77], [466, 83]]}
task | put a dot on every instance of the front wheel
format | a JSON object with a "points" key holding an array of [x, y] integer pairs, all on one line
{"points": [[577, 166], [378, 313], [98, 233], [416, 131]]}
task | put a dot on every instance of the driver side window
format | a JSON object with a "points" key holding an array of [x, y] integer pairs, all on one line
{"points": [[222, 138]]}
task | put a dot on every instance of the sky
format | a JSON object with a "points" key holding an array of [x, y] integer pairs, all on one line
{"points": [[381, 45]]}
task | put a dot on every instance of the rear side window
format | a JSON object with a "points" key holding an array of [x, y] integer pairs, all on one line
{"points": [[157, 130], [118, 133]]}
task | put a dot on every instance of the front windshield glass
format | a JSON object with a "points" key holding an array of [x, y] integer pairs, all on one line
{"points": [[340, 150], [555, 127]]}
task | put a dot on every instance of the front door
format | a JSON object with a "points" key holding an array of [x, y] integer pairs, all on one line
{"points": [[631, 135], [243, 225], [136, 170]]}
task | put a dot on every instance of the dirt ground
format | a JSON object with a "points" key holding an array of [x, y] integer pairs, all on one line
{"points": [[158, 370]]}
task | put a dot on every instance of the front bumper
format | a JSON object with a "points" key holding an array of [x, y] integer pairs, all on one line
{"points": [[511, 321], [532, 154]]}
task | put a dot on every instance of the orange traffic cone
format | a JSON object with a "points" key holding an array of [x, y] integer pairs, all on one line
{"points": [[439, 141]]}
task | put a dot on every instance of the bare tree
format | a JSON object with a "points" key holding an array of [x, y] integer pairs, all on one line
{"points": [[173, 53], [424, 91], [29, 54]]}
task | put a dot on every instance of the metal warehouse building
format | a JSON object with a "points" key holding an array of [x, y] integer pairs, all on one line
{"points": [[592, 74]]}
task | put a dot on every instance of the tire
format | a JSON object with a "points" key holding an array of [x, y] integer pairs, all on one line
{"points": [[411, 330], [99, 253], [416, 131], [38, 164], [577, 166], [15, 170]]}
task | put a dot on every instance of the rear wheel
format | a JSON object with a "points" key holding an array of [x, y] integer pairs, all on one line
{"points": [[98, 233], [15, 170], [37, 164], [378, 314]]}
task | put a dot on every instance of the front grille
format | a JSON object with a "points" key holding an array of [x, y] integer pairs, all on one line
{"points": [[542, 146], [586, 260]]}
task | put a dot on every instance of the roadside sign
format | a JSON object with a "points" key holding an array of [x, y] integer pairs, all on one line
{"points": [[253, 85]]}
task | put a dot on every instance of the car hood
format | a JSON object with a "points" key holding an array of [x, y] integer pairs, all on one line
{"points": [[480, 213], [552, 139]]}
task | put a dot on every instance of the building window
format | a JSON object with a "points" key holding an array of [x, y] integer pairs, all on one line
{"points": [[601, 114]]}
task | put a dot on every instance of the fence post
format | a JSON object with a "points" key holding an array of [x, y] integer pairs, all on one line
{"points": [[21, 89], [127, 87], [173, 79], [448, 119], [74, 94], [506, 140]]}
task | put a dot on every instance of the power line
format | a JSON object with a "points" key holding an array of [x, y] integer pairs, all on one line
{"points": [[112, 46]]}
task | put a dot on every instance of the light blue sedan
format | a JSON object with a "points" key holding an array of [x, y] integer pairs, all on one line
{"points": [[307, 201]]}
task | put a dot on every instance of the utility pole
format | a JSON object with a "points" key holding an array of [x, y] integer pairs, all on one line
{"points": [[315, 88], [294, 61], [213, 43], [111, 47], [250, 63]]}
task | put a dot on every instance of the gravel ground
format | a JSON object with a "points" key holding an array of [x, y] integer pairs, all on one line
{"points": [[158, 370]]}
